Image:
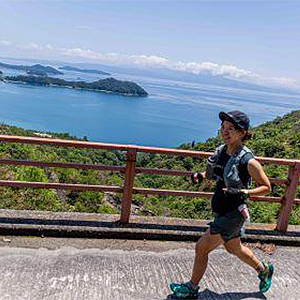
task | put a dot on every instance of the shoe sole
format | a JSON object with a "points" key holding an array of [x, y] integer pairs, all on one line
{"points": [[174, 296]]}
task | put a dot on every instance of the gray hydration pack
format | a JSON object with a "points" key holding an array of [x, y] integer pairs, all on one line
{"points": [[230, 172]]}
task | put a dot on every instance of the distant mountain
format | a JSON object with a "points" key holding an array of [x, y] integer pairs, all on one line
{"points": [[110, 85], [37, 69], [164, 73], [91, 71]]}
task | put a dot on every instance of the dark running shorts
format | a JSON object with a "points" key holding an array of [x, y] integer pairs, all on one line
{"points": [[228, 225]]}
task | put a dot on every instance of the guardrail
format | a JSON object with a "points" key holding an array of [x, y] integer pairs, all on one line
{"points": [[287, 201]]}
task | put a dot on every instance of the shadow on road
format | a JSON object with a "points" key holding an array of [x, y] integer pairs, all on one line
{"points": [[208, 294]]}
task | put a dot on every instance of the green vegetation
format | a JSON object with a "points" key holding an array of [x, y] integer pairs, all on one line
{"points": [[107, 85], [278, 138], [35, 69], [89, 71]]}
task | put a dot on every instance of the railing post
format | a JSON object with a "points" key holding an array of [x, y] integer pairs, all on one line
{"points": [[288, 198], [128, 186]]}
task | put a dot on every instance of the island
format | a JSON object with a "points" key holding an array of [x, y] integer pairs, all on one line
{"points": [[33, 70], [109, 85], [90, 71]]}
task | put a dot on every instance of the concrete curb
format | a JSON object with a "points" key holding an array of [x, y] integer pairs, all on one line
{"points": [[85, 225]]}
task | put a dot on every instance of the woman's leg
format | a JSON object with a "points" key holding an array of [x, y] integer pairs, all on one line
{"points": [[245, 254], [206, 244]]}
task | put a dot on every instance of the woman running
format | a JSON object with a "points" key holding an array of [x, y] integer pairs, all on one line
{"points": [[232, 166]]}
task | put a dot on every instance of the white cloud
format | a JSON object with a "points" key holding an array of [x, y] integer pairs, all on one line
{"points": [[5, 43], [151, 60], [235, 73], [212, 68], [32, 46], [140, 60], [36, 47], [229, 71], [79, 52], [49, 47]]}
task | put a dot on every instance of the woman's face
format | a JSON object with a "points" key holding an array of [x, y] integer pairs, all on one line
{"points": [[230, 134]]}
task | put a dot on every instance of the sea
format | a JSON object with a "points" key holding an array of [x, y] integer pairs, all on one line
{"points": [[175, 112]]}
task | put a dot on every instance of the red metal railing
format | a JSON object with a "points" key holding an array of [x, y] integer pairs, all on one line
{"points": [[287, 201]]}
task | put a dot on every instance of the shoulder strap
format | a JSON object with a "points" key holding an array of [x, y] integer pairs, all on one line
{"points": [[220, 149], [243, 151]]}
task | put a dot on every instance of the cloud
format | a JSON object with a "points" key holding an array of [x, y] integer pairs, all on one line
{"points": [[5, 43], [79, 52], [235, 73], [116, 58], [36, 47], [154, 61], [151, 60]]}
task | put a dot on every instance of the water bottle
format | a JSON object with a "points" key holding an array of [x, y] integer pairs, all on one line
{"points": [[245, 212], [243, 230], [243, 208]]}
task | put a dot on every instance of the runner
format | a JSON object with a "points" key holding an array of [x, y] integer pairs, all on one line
{"points": [[232, 166]]}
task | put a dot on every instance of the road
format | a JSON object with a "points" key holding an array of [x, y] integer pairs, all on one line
{"points": [[52, 269]]}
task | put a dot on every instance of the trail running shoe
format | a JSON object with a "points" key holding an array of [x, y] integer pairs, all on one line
{"points": [[266, 277], [184, 290]]}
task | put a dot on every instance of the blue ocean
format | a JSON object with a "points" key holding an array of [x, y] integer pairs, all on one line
{"points": [[175, 112]]}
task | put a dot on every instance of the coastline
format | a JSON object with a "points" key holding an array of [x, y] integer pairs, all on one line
{"points": [[169, 117], [74, 88]]}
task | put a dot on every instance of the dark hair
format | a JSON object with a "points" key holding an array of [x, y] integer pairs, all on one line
{"points": [[247, 136]]}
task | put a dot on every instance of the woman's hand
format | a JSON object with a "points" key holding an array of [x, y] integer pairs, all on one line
{"points": [[236, 191], [197, 177]]}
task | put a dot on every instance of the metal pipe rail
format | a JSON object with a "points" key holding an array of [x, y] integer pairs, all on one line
{"points": [[130, 170]]}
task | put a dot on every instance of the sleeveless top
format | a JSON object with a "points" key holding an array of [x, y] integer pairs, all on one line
{"points": [[229, 171]]}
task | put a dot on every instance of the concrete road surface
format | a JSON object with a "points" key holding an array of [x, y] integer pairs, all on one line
{"points": [[54, 269]]}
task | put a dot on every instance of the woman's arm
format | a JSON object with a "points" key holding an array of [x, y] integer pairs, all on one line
{"points": [[257, 173]]}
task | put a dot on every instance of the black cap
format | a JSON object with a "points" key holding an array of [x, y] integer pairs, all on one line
{"points": [[239, 119]]}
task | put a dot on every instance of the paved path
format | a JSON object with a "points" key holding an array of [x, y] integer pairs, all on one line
{"points": [[113, 274]]}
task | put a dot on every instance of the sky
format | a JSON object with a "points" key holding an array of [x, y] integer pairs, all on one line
{"points": [[254, 41]]}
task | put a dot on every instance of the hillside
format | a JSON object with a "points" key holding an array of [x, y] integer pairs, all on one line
{"points": [[36, 69], [277, 138]]}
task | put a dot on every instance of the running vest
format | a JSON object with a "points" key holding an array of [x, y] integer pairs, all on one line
{"points": [[230, 173]]}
